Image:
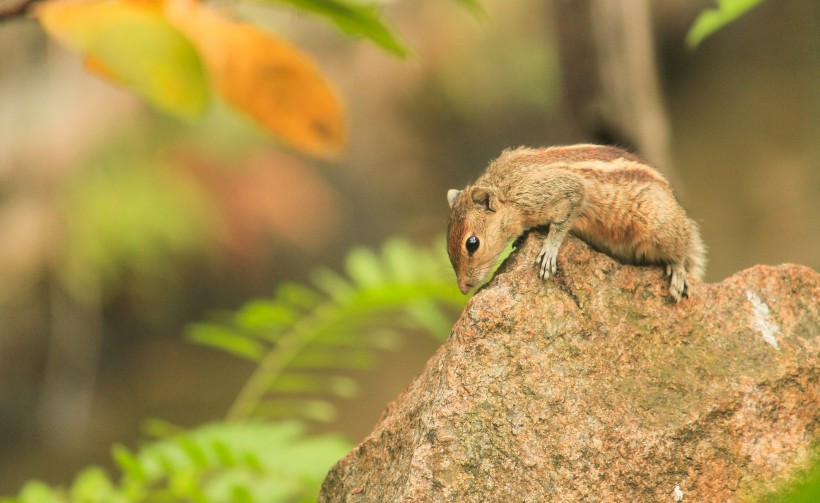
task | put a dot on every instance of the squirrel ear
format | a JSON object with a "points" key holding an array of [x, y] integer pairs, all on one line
{"points": [[452, 195], [484, 197]]}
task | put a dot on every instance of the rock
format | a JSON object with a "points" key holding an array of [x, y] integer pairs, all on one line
{"points": [[595, 386]]}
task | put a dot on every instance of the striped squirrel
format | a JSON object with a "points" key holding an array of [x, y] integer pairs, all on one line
{"points": [[607, 197]]}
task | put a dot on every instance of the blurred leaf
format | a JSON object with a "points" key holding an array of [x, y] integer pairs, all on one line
{"points": [[265, 77], [314, 410], [363, 266], [124, 218], [37, 492], [298, 295], [354, 19], [241, 494], [195, 452], [224, 454], [341, 326], [92, 485], [217, 463], [262, 314], [184, 486], [321, 358], [136, 48], [291, 382], [332, 284], [160, 429], [273, 462], [430, 316], [399, 260], [474, 6], [711, 20], [223, 338], [128, 463]]}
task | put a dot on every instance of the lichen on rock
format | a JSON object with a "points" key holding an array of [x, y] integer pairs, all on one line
{"points": [[596, 386]]}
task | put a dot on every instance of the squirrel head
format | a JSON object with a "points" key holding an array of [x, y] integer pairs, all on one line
{"points": [[477, 233]]}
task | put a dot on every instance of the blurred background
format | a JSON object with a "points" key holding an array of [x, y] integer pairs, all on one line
{"points": [[120, 226]]}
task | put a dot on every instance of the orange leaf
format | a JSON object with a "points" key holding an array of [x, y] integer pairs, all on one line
{"points": [[265, 77], [98, 66]]}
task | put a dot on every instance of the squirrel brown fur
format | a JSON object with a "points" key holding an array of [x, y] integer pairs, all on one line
{"points": [[606, 196]]}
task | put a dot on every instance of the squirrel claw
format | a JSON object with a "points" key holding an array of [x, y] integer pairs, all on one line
{"points": [[548, 263]]}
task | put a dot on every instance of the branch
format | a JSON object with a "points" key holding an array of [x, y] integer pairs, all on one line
{"points": [[19, 10]]}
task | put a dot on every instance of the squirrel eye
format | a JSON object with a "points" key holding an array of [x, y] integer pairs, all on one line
{"points": [[472, 244]]}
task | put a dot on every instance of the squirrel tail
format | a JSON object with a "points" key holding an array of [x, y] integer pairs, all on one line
{"points": [[696, 256]]}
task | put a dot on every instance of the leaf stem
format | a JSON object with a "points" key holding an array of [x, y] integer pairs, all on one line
{"points": [[268, 370]]}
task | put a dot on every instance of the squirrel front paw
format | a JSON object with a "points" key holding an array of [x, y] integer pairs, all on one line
{"points": [[547, 261]]}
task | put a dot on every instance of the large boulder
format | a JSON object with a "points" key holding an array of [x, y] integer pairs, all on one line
{"points": [[595, 386]]}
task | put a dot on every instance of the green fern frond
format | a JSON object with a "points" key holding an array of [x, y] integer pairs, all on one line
{"points": [[713, 19], [304, 336], [273, 462]]}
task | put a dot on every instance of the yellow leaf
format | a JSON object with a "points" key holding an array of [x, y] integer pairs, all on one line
{"points": [[132, 45], [264, 77]]}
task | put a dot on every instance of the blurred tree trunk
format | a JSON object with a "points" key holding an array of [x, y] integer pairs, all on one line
{"points": [[611, 86]]}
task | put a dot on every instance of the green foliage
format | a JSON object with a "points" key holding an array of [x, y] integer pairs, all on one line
{"points": [[354, 19], [359, 19], [805, 489], [306, 340], [303, 339], [227, 462], [711, 20], [124, 218]]}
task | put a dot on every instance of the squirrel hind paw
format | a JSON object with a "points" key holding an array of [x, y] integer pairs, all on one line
{"points": [[678, 286]]}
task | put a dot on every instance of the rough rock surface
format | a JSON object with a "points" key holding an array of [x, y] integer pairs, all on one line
{"points": [[594, 386]]}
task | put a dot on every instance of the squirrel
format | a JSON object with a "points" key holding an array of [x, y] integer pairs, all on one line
{"points": [[606, 196]]}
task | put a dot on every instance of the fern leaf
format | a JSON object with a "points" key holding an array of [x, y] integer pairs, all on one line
{"points": [[429, 316], [231, 341], [128, 463], [298, 296], [224, 454], [261, 315], [291, 382], [241, 494], [37, 492], [326, 358], [92, 485], [194, 452], [315, 410], [364, 267], [267, 462], [711, 20], [159, 429], [341, 324], [332, 284]]}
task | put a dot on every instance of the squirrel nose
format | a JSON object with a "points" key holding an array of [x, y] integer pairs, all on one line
{"points": [[464, 287]]}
